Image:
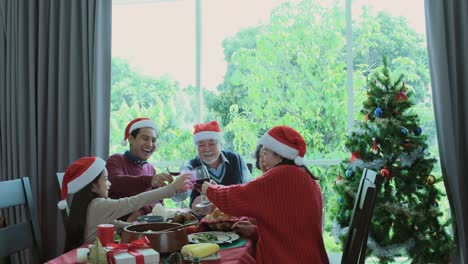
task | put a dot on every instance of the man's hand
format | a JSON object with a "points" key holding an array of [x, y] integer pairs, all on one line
{"points": [[161, 179]]}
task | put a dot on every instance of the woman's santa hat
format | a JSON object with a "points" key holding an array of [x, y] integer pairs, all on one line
{"points": [[78, 175], [136, 124], [286, 142], [210, 130]]}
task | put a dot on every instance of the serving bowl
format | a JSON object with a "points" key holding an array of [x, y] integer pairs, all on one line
{"points": [[160, 240]]}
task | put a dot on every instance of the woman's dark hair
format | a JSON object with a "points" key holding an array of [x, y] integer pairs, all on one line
{"points": [[75, 226], [257, 156], [286, 161]]}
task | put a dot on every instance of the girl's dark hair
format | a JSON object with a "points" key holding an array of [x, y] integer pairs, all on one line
{"points": [[286, 161], [75, 226]]}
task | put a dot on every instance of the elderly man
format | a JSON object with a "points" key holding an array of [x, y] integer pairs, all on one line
{"points": [[130, 173], [224, 166]]}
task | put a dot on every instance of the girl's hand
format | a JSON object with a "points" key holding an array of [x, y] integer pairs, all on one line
{"points": [[183, 183]]}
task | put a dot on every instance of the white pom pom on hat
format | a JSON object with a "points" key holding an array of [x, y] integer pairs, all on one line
{"points": [[78, 175], [136, 124], [286, 142], [210, 130]]}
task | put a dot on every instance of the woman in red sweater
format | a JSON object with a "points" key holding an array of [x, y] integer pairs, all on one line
{"points": [[286, 202]]}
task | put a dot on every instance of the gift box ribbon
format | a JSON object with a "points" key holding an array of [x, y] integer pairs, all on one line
{"points": [[131, 248]]}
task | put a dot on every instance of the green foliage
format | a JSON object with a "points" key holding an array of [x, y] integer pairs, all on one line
{"points": [[407, 218], [162, 100], [287, 72]]}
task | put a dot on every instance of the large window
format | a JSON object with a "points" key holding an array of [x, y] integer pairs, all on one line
{"points": [[257, 64]]}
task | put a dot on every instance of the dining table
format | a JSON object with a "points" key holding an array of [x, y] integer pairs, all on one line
{"points": [[239, 252]]}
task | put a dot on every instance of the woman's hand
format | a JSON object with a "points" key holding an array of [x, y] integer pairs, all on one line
{"points": [[244, 228], [205, 187]]}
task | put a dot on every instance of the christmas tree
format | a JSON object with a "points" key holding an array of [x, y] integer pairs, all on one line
{"points": [[406, 220]]}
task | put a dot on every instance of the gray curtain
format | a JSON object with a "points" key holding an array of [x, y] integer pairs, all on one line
{"points": [[447, 38], [55, 62]]}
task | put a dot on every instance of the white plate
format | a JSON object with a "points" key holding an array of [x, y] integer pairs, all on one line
{"points": [[221, 237]]}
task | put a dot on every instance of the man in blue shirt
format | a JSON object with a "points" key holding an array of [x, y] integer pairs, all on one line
{"points": [[224, 166]]}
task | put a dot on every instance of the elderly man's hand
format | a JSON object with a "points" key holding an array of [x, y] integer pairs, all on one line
{"points": [[161, 179]]}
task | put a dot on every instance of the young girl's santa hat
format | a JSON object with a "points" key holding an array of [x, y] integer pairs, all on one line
{"points": [[210, 130], [78, 175], [136, 124], [286, 142]]}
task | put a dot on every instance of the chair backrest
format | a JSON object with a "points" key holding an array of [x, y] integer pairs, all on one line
{"points": [[356, 241], [16, 237]]}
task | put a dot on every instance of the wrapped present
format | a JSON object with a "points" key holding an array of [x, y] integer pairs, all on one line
{"points": [[137, 252]]}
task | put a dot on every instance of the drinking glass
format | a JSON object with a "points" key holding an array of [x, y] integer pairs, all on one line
{"points": [[201, 176], [180, 198]]}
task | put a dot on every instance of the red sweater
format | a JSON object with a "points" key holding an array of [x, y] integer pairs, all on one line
{"points": [[128, 178], [287, 204]]}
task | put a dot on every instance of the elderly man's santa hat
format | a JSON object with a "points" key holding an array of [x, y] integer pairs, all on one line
{"points": [[137, 123], [210, 130], [286, 142], [78, 175]]}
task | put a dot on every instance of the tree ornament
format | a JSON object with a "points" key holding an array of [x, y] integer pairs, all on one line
{"points": [[401, 96], [366, 118], [338, 180], [417, 131], [430, 179], [340, 200], [385, 172], [404, 131], [435, 203], [378, 112], [354, 155], [375, 149], [349, 173]]}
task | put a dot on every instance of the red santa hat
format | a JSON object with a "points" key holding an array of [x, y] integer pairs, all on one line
{"points": [[286, 142], [136, 124], [210, 130], [78, 175]]}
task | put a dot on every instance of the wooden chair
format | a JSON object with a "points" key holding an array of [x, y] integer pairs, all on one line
{"points": [[356, 241], [17, 237]]}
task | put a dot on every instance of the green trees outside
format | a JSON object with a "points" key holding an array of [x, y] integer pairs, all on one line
{"points": [[291, 71], [163, 100]]}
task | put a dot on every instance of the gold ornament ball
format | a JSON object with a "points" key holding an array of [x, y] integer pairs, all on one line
{"points": [[430, 179]]}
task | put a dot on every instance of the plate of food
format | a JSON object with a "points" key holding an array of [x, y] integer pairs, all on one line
{"points": [[213, 237], [150, 218]]}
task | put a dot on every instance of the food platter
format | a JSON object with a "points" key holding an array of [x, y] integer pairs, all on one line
{"points": [[213, 237]]}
